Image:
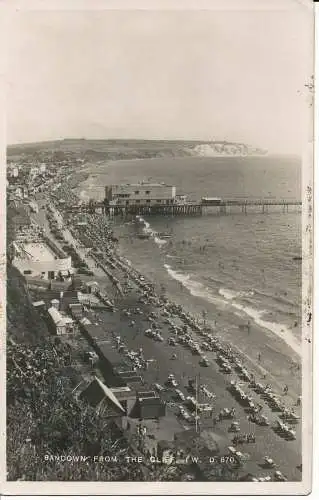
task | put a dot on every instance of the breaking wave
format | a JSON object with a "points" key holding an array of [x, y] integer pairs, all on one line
{"points": [[228, 299], [279, 329], [147, 229]]}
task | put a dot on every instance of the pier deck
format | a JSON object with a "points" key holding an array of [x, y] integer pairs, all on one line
{"points": [[243, 204], [190, 209]]}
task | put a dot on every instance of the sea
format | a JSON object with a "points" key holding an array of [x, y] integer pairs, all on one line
{"points": [[232, 270]]}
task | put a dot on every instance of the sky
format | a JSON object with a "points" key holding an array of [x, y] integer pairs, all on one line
{"points": [[156, 74]]}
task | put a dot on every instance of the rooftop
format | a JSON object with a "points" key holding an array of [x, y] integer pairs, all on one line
{"points": [[57, 317], [110, 354], [60, 286], [85, 321], [146, 395], [38, 303], [39, 252], [95, 332], [125, 388], [123, 393], [96, 392], [92, 283]]}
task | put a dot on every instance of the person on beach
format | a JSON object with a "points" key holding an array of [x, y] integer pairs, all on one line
{"points": [[285, 391], [259, 357]]}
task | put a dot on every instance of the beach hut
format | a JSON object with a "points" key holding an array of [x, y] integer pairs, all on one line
{"points": [[92, 287], [102, 398], [148, 406], [39, 305], [55, 304], [61, 325]]}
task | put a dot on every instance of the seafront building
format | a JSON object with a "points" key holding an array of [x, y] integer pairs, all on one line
{"points": [[37, 256], [60, 324], [38, 260], [142, 193]]}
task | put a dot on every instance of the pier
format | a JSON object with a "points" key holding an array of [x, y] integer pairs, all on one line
{"points": [[220, 207], [224, 206], [171, 210]]}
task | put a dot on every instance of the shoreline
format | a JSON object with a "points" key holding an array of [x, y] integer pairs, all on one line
{"points": [[278, 359], [234, 320], [250, 312]]}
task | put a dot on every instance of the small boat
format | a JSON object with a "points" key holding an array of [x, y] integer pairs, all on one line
{"points": [[297, 258], [143, 236], [163, 236]]}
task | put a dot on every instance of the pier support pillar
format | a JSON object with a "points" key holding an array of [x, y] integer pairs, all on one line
{"points": [[222, 209]]}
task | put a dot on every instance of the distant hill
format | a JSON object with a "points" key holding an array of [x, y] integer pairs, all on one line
{"points": [[99, 145], [99, 149]]}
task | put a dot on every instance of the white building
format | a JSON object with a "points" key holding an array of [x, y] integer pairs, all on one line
{"points": [[62, 325], [34, 171], [34, 207], [143, 193], [19, 192], [38, 260], [13, 170]]}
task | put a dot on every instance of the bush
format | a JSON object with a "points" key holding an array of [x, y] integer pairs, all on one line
{"points": [[43, 418]]}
